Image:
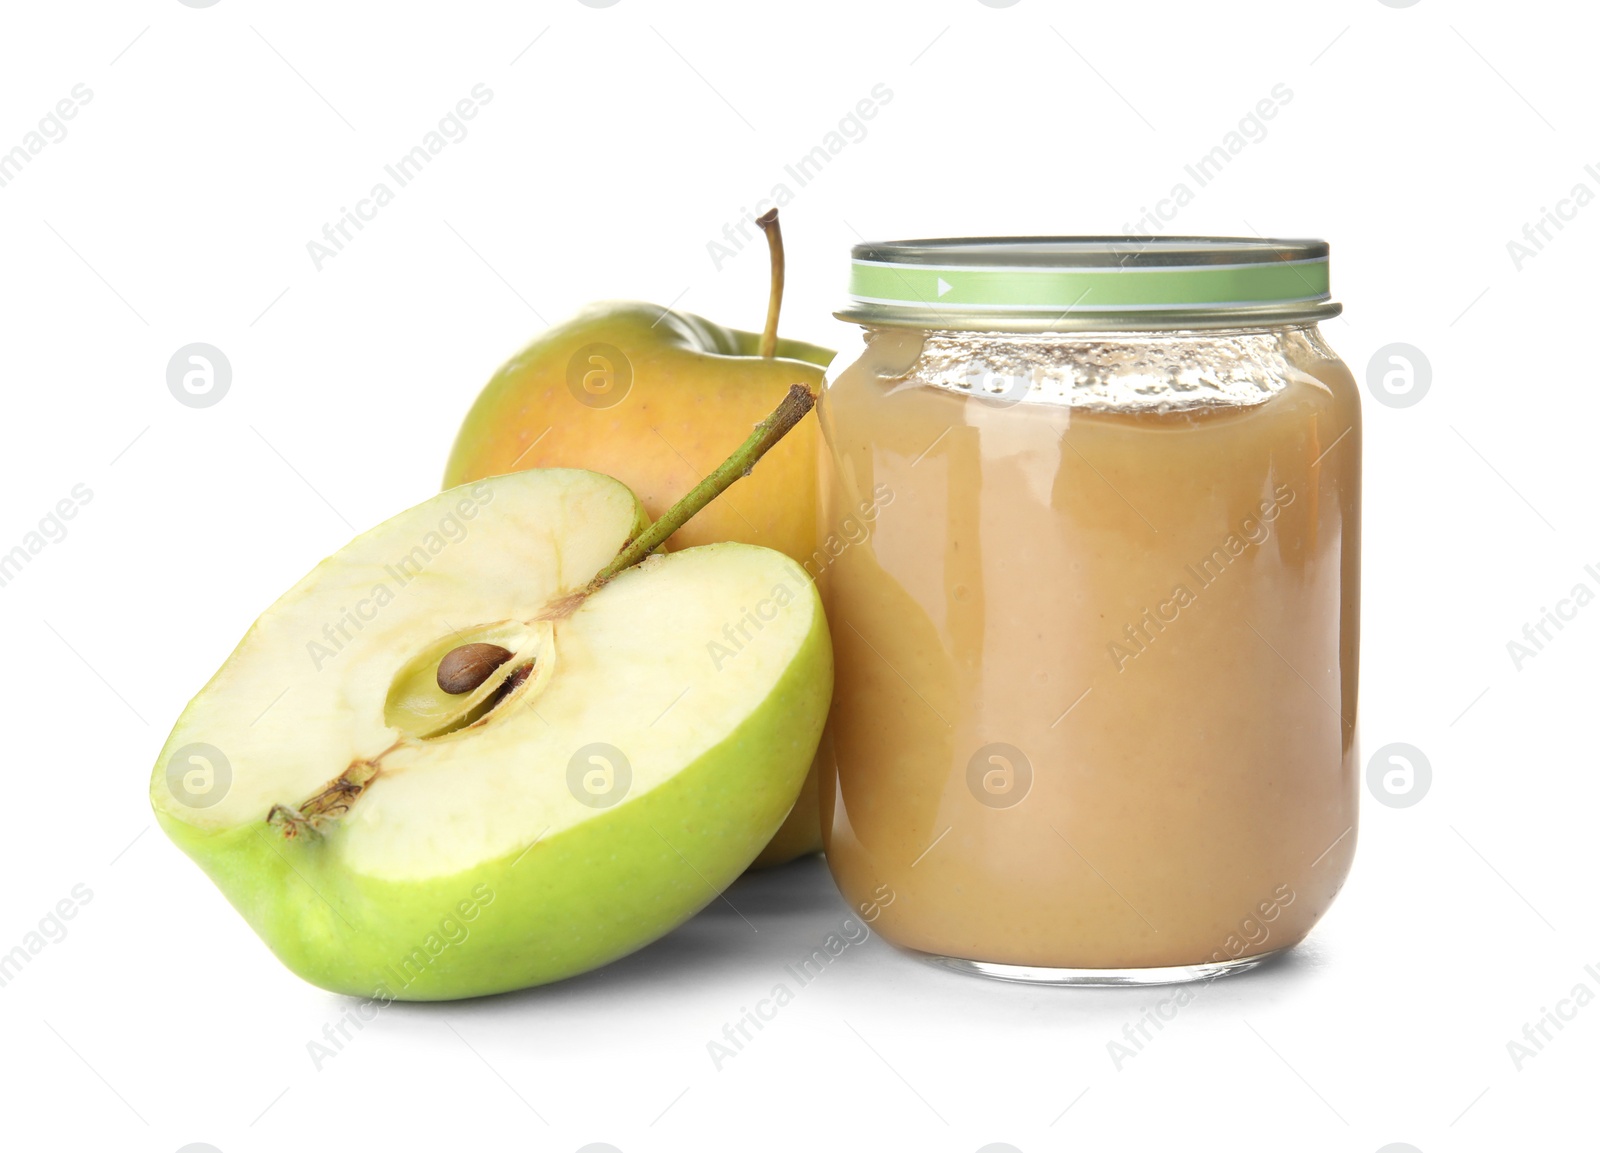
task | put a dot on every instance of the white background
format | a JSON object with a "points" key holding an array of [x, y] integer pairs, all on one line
{"points": [[618, 142]]}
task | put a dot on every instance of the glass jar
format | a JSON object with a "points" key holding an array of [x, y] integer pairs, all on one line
{"points": [[1092, 575]]}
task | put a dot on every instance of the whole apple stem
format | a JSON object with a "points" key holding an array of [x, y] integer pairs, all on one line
{"points": [[769, 432], [768, 221]]}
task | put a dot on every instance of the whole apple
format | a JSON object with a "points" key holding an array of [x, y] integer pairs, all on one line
{"points": [[652, 397]]}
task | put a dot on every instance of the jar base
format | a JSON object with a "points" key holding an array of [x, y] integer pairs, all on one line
{"points": [[1091, 978]]}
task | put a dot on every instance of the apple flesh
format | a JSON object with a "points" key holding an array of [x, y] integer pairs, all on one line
{"points": [[387, 839]]}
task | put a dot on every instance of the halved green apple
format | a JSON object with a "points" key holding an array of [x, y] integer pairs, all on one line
{"points": [[388, 839]]}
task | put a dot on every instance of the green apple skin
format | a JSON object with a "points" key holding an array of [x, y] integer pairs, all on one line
{"points": [[574, 901]]}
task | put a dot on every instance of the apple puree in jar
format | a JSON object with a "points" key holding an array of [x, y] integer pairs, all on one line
{"points": [[1095, 644]]}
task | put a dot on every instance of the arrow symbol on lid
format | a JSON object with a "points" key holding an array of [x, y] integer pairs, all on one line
{"points": [[944, 285]]}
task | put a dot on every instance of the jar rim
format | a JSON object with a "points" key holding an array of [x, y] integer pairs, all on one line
{"points": [[1081, 283]]}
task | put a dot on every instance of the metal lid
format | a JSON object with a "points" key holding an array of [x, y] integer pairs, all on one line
{"points": [[1088, 283]]}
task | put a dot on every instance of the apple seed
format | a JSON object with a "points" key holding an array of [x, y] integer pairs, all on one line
{"points": [[466, 667]]}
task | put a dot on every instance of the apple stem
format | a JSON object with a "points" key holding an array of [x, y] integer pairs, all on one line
{"points": [[768, 222], [769, 432]]}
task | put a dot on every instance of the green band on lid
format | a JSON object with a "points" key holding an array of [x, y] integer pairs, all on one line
{"points": [[1034, 283]]}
